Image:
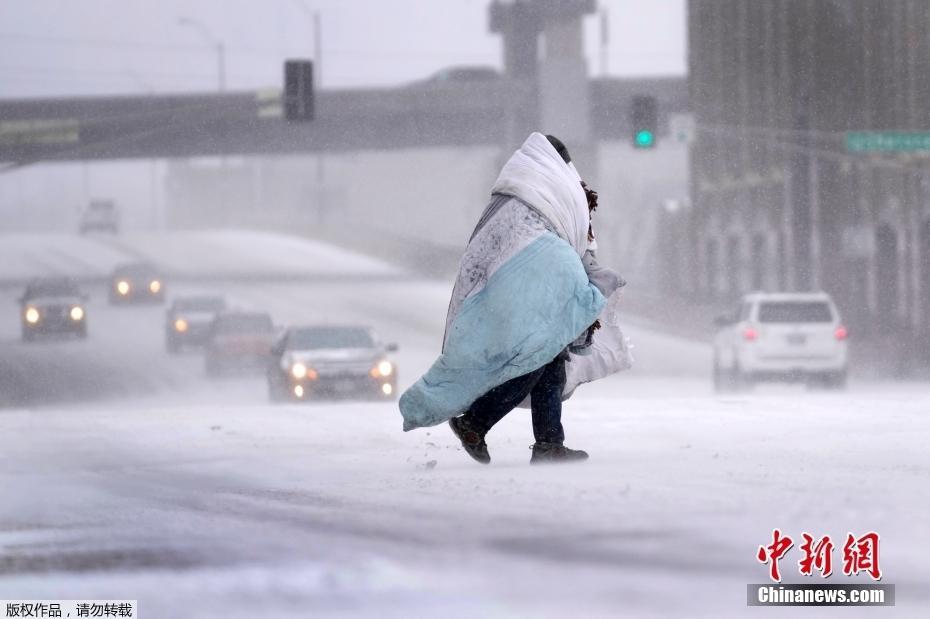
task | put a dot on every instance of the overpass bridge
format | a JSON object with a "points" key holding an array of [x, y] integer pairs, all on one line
{"points": [[251, 123]]}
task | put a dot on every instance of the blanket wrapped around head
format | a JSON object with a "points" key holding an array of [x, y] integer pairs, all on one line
{"points": [[521, 295]]}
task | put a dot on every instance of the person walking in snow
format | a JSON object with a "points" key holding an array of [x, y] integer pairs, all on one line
{"points": [[526, 301]]}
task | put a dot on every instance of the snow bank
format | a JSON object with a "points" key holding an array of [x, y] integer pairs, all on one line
{"points": [[249, 254]]}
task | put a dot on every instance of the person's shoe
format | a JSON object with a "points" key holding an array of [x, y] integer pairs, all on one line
{"points": [[472, 440], [545, 453]]}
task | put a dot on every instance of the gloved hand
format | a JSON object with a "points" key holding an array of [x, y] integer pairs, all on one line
{"points": [[582, 345]]}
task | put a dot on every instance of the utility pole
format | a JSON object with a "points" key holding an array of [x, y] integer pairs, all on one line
{"points": [[317, 29], [318, 48], [605, 40], [221, 65]]}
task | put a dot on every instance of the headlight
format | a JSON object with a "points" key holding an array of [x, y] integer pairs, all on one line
{"points": [[122, 287], [384, 368], [180, 325], [298, 370], [32, 315], [155, 286], [77, 313], [387, 389]]}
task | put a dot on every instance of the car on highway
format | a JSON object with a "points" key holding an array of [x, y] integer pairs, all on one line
{"points": [[137, 282], [467, 75], [781, 337], [189, 318], [53, 305], [326, 361], [238, 340], [100, 216]]}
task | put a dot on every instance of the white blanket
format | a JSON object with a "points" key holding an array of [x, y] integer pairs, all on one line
{"points": [[537, 175]]}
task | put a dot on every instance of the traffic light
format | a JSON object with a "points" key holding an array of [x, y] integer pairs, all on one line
{"points": [[298, 90], [644, 115]]}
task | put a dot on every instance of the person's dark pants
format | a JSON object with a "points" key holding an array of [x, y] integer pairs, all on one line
{"points": [[544, 386]]}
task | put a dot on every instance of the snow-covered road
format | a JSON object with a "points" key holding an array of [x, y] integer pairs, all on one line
{"points": [[125, 474]]}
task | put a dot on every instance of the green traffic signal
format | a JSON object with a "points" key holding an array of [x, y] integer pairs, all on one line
{"points": [[645, 138]]}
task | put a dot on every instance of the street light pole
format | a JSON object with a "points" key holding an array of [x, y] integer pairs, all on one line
{"points": [[318, 48], [221, 65], [212, 41], [317, 29], [605, 40]]}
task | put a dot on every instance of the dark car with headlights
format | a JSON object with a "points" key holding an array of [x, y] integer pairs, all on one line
{"points": [[323, 361], [137, 282], [53, 305], [238, 340], [189, 318]]}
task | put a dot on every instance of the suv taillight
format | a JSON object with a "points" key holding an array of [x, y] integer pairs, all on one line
{"points": [[750, 334], [841, 333]]}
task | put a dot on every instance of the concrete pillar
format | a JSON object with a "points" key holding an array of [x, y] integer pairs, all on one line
{"points": [[519, 23], [550, 95], [563, 83]]}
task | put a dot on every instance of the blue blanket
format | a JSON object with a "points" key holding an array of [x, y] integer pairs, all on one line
{"points": [[531, 308]]}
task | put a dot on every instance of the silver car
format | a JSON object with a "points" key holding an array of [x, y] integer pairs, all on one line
{"points": [[323, 361]]}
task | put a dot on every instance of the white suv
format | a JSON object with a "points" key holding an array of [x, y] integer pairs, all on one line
{"points": [[781, 336]]}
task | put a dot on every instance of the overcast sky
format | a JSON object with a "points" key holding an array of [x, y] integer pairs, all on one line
{"points": [[59, 47]]}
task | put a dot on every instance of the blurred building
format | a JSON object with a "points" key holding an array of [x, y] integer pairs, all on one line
{"points": [[779, 200]]}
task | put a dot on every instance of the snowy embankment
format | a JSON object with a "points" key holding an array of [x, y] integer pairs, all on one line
{"points": [[212, 254], [250, 255], [24, 256]]}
